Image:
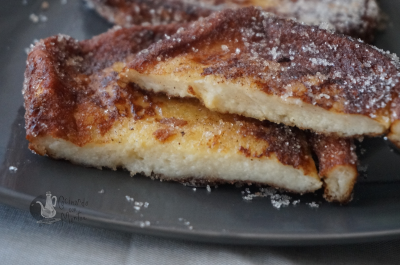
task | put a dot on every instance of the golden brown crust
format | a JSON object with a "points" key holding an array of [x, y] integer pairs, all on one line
{"points": [[332, 151], [284, 58], [346, 197], [128, 13], [287, 143], [357, 18], [65, 85], [71, 92], [335, 154]]}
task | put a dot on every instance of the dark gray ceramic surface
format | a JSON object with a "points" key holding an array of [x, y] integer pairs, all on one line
{"points": [[218, 216]]}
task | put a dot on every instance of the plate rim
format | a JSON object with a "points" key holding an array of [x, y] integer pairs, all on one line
{"points": [[21, 200]]}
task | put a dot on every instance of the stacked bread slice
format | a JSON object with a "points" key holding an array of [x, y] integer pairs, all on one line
{"points": [[76, 110], [357, 18], [212, 102], [251, 63]]}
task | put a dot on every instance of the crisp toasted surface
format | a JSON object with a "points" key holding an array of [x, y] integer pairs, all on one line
{"points": [[251, 63], [76, 110], [337, 166], [358, 18], [65, 88]]}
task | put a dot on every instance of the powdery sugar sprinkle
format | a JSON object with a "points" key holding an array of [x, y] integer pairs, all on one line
{"points": [[277, 200], [13, 169]]}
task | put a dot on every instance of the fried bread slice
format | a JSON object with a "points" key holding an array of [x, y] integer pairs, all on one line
{"points": [[252, 63], [337, 166], [76, 110], [358, 18]]}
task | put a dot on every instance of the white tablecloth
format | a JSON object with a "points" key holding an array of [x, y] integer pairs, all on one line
{"points": [[22, 241]]}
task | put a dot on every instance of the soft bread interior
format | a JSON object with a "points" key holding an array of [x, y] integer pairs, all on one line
{"points": [[179, 162], [339, 183], [181, 140], [394, 135], [240, 96]]}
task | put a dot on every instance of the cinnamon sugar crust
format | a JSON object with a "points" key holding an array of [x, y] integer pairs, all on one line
{"points": [[337, 166], [358, 18], [282, 58], [67, 95], [333, 151], [77, 109]]}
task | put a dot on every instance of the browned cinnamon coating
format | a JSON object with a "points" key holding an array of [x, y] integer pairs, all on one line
{"points": [[357, 18], [71, 92], [340, 74], [332, 151], [337, 165], [287, 143], [73, 103]]}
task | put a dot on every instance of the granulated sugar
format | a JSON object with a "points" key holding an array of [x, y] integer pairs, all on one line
{"points": [[129, 199], [295, 202], [34, 18], [186, 223], [278, 200], [313, 204], [42, 18], [143, 223], [137, 205], [12, 169]]}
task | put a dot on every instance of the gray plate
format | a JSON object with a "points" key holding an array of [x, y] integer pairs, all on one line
{"points": [[221, 215]]}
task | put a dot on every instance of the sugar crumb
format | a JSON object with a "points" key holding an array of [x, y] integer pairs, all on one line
{"points": [[12, 169], [313, 204], [129, 199], [225, 48], [34, 18], [42, 18]]}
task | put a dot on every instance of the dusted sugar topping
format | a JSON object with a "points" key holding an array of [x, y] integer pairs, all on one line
{"points": [[155, 12], [287, 143], [332, 151], [357, 18], [72, 92], [70, 88], [395, 109], [283, 58]]}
